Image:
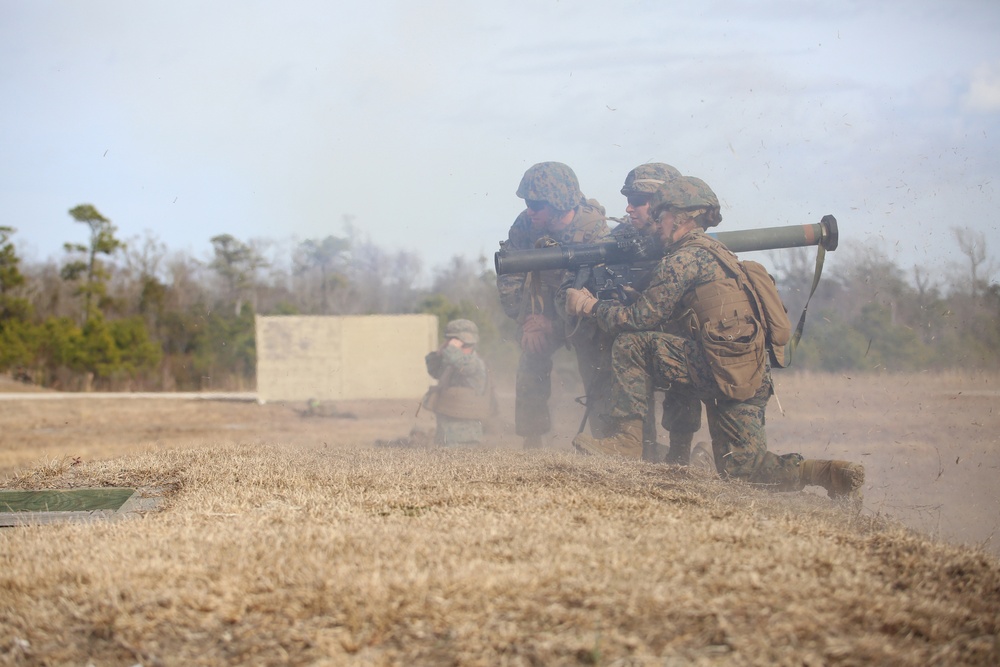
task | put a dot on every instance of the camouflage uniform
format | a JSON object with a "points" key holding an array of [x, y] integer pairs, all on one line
{"points": [[598, 342], [719, 355], [523, 294], [646, 355], [681, 414], [454, 368]]}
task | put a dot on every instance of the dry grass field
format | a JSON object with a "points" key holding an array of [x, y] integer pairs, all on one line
{"points": [[289, 538]]}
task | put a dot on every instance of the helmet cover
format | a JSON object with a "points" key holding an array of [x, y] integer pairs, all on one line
{"points": [[464, 330], [647, 178], [687, 193], [551, 182]]}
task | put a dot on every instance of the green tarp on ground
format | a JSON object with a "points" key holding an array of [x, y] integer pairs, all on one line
{"points": [[64, 500]]}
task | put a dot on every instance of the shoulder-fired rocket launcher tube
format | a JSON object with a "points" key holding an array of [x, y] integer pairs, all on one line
{"points": [[620, 251], [823, 234]]}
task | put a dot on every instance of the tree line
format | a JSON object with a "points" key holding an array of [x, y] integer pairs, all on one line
{"points": [[132, 315]]}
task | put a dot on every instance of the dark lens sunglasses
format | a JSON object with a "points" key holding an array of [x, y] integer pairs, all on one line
{"points": [[635, 201], [535, 205]]}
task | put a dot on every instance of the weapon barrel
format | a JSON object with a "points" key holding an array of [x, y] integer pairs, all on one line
{"points": [[556, 257], [823, 233], [612, 251]]}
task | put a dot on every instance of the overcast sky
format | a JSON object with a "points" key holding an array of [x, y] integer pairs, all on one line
{"points": [[275, 120]]}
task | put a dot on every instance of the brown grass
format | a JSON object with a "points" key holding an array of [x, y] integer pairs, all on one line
{"points": [[284, 539]]}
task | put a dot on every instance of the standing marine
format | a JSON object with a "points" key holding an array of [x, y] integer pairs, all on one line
{"points": [[556, 213]]}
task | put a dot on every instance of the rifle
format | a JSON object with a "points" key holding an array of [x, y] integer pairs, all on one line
{"points": [[610, 265]]}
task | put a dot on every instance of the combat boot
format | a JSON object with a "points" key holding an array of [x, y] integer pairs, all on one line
{"points": [[534, 442], [680, 449], [840, 478], [702, 457], [627, 442]]}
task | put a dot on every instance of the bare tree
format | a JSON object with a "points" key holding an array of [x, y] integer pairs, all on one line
{"points": [[404, 274], [140, 271], [143, 255], [185, 277], [925, 313], [794, 270], [973, 246], [328, 258], [237, 264], [871, 276]]}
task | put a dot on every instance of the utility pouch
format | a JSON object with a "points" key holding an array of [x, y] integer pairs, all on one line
{"points": [[459, 403], [731, 338]]}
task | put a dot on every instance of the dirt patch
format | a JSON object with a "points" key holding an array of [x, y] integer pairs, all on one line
{"points": [[930, 443]]}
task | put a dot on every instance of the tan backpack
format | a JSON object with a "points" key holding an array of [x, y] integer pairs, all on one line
{"points": [[763, 292]]}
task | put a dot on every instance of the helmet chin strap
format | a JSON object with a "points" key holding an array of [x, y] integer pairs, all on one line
{"points": [[561, 221], [679, 222]]}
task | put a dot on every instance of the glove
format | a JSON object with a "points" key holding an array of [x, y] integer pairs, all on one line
{"points": [[536, 334], [579, 302], [534, 342], [538, 323]]}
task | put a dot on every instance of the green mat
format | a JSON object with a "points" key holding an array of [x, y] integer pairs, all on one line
{"points": [[64, 500]]}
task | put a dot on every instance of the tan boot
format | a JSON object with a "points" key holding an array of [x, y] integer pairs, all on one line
{"points": [[627, 442], [840, 478]]}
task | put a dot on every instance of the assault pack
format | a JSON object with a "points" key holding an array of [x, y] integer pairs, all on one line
{"points": [[762, 291]]}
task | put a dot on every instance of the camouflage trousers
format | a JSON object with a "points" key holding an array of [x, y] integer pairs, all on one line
{"points": [[648, 359], [681, 413], [593, 356], [533, 388]]}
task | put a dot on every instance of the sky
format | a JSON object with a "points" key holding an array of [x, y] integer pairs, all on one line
{"points": [[416, 120]]}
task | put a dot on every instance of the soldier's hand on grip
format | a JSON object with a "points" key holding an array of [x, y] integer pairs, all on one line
{"points": [[579, 302]]}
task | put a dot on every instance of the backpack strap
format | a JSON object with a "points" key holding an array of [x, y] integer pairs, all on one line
{"points": [[732, 264], [729, 261]]}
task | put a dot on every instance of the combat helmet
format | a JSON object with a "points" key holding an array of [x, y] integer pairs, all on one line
{"points": [[647, 178], [553, 183], [464, 330], [687, 193]]}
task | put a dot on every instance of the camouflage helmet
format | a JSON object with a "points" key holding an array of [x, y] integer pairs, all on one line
{"points": [[553, 183], [687, 193], [646, 178], [464, 330]]}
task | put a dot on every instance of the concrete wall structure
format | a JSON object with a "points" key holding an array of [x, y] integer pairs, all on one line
{"points": [[337, 358]]}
